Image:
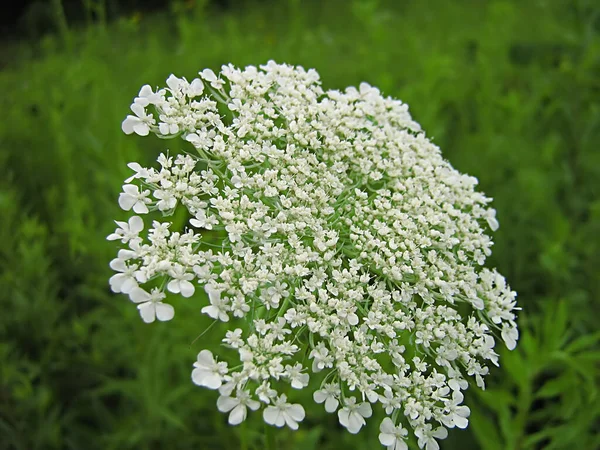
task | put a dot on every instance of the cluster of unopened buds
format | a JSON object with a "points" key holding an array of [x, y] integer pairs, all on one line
{"points": [[344, 252]]}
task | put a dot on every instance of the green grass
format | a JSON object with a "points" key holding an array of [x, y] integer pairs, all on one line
{"points": [[510, 92]]}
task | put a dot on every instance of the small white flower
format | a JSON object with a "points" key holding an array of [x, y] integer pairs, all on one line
{"points": [[321, 357], [146, 96], [207, 372], [125, 281], [298, 379], [127, 231], [265, 393], [167, 200], [353, 414], [201, 220], [237, 405], [329, 394], [140, 123], [210, 76], [427, 436], [140, 172], [457, 415], [233, 338], [216, 310], [393, 437], [176, 84], [181, 281], [283, 413], [151, 306], [133, 198]]}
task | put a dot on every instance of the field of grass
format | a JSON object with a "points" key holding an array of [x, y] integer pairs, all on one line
{"points": [[510, 90]]}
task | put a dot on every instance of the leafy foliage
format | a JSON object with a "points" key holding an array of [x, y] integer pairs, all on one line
{"points": [[508, 89]]}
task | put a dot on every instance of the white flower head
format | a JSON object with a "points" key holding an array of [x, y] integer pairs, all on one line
{"points": [[329, 234]]}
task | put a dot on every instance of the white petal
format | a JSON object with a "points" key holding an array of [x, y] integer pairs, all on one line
{"points": [[290, 422], [271, 415], [128, 123], [196, 87], [320, 396], [138, 295], [387, 427], [173, 82], [440, 433], [387, 439], [365, 409], [126, 201], [331, 404], [208, 75], [187, 288], [460, 422], [164, 311], [253, 404], [141, 129], [136, 224], [205, 359], [116, 282], [198, 375], [145, 91], [118, 265], [128, 285], [142, 101], [147, 312], [355, 422], [400, 445], [212, 381], [163, 128], [173, 286], [140, 208], [238, 415], [211, 311], [138, 110], [344, 416], [432, 445], [296, 412], [508, 339], [226, 404]]}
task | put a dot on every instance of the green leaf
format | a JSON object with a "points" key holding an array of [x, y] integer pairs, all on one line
{"points": [[583, 342], [516, 367], [485, 431], [556, 386]]}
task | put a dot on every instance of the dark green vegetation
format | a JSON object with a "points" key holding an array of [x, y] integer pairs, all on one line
{"points": [[510, 91]]}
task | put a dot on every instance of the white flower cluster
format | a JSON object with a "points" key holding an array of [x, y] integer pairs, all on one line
{"points": [[332, 234]]}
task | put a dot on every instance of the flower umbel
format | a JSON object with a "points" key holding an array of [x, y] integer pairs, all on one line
{"points": [[322, 224]]}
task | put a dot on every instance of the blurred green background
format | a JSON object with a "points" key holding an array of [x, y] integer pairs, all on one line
{"points": [[510, 90]]}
